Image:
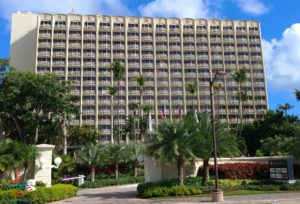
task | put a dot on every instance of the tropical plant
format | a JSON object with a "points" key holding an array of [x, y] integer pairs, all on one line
{"points": [[91, 155], [171, 143], [285, 107], [141, 82], [118, 73], [116, 154], [192, 89], [201, 140], [112, 92], [135, 151], [277, 146], [239, 76], [297, 94], [134, 107], [28, 155]]}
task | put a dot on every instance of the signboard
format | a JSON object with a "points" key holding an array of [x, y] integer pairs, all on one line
{"points": [[281, 169]]}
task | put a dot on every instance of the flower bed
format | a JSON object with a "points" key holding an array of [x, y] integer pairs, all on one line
{"points": [[40, 195]]}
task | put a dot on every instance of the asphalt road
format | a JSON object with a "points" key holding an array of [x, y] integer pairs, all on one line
{"points": [[127, 194]]}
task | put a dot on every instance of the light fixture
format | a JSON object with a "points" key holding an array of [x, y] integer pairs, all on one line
{"points": [[57, 162]]}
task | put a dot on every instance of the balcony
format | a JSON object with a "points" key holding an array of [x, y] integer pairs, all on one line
{"points": [[161, 38], [75, 45], [216, 40], [119, 38], [119, 46], [174, 39], [44, 54], [89, 54], [162, 65], [104, 73], [45, 26], [134, 56], [161, 56], [150, 65], [134, 47], [74, 64], [75, 27], [188, 39], [104, 28], [45, 44], [119, 55], [60, 27], [175, 47], [89, 64], [243, 49], [133, 38], [75, 92], [59, 36], [92, 83], [45, 35], [104, 102], [59, 54], [88, 112], [88, 122], [59, 45], [228, 40], [89, 37], [202, 31], [89, 73], [75, 36], [89, 27], [74, 73], [89, 92], [164, 92], [163, 83], [147, 30], [104, 83], [147, 56], [89, 45], [59, 63], [147, 38]]}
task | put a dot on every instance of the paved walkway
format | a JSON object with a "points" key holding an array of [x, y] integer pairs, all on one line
{"points": [[126, 194]]}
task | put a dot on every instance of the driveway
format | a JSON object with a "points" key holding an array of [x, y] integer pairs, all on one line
{"points": [[126, 194]]}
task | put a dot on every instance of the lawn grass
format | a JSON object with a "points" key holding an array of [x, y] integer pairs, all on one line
{"points": [[251, 192]]}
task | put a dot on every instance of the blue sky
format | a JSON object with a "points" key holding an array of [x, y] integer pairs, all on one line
{"points": [[280, 25]]}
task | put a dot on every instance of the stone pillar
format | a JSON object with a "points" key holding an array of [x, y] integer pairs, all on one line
{"points": [[43, 164]]}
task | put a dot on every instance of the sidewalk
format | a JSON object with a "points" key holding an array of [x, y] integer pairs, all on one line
{"points": [[126, 194]]}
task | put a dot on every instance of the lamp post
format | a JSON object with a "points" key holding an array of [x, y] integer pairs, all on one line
{"points": [[217, 194]]}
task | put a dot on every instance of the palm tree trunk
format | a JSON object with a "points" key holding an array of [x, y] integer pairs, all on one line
{"points": [[36, 137], [116, 171], [25, 172], [93, 170], [65, 134], [119, 112], [134, 133], [193, 102], [112, 120], [205, 171], [180, 165], [140, 113], [18, 127], [135, 170]]}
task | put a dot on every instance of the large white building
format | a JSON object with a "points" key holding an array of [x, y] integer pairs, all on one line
{"points": [[169, 52]]}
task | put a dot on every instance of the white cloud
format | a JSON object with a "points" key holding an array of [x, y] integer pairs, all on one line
{"points": [[282, 60], [112, 7], [177, 8], [254, 7]]}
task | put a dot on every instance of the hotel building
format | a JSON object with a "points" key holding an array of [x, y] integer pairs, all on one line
{"points": [[168, 52]]}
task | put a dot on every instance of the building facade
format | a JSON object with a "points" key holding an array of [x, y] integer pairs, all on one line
{"points": [[168, 52]]}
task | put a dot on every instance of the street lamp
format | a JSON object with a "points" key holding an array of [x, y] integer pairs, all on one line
{"points": [[217, 194]]}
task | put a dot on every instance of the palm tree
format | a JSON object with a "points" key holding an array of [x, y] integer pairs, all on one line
{"points": [[192, 89], [91, 156], [135, 151], [172, 144], [116, 155], [217, 87], [285, 107], [29, 153], [141, 82], [118, 73], [134, 107], [112, 92], [6, 158], [239, 76], [201, 140], [297, 93]]}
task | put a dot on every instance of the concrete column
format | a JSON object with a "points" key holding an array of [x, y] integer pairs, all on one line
{"points": [[43, 164]]}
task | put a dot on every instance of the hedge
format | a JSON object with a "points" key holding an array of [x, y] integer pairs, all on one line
{"points": [[40, 195], [112, 182], [193, 186], [172, 191]]}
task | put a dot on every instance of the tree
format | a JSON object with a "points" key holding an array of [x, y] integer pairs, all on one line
{"points": [[171, 143], [285, 107], [29, 101], [134, 107], [273, 123], [135, 151], [91, 156], [112, 92], [118, 73], [82, 135], [201, 140], [116, 155], [192, 89], [277, 146], [141, 82], [6, 158], [239, 76], [297, 94]]}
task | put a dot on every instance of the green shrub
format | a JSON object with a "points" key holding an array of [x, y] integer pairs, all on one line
{"points": [[173, 191], [112, 182], [50, 194]]}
